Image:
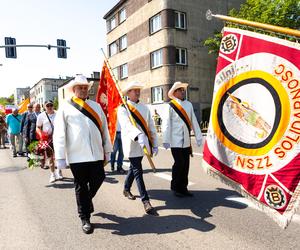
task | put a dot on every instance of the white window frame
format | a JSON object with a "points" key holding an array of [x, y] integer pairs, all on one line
{"points": [[122, 15], [124, 71], [116, 72], [112, 23], [182, 52], [178, 21], [123, 42], [113, 48], [156, 58], [155, 23], [157, 94]]}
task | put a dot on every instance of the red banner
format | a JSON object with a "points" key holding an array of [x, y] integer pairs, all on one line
{"points": [[254, 131], [109, 99]]}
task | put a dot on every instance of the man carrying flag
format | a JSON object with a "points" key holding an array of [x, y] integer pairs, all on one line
{"points": [[177, 128], [81, 138], [134, 139]]}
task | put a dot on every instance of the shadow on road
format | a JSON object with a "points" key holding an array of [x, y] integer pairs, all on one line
{"points": [[152, 224], [11, 169], [200, 205]]}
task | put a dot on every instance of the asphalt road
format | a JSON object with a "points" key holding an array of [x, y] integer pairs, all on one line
{"points": [[38, 215]]}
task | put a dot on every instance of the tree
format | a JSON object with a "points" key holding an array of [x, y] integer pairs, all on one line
{"points": [[284, 13]]}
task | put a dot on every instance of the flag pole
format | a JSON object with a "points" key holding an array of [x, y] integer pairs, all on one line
{"points": [[274, 28], [127, 109]]}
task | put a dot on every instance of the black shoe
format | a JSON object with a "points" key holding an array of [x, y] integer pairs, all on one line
{"points": [[121, 170], [129, 195], [14, 155], [87, 227], [112, 169], [148, 207], [179, 194]]}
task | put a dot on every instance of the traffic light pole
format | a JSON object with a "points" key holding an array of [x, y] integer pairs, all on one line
{"points": [[43, 46]]}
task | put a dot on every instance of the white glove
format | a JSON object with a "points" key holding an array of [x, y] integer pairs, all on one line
{"points": [[199, 143], [61, 163], [107, 157], [142, 140], [166, 145], [155, 150]]}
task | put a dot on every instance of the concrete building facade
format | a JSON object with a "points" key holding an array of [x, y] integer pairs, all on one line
{"points": [[20, 95], [158, 42], [45, 89]]}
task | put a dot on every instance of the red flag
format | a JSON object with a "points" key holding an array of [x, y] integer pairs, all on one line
{"points": [[109, 98]]}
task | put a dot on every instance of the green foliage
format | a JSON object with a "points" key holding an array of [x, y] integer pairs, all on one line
{"points": [[55, 103], [284, 13], [7, 100]]}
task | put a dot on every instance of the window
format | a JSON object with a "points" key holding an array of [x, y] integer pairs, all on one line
{"points": [[116, 73], [111, 24], [156, 58], [123, 42], [155, 23], [54, 87], [113, 49], [157, 95], [180, 20], [123, 71], [181, 56], [122, 15]]}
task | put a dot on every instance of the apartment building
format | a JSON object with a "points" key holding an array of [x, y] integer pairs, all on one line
{"points": [[20, 95], [45, 89], [158, 42]]}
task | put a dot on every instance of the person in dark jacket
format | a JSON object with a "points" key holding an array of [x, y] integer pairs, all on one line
{"points": [[30, 125], [24, 116]]}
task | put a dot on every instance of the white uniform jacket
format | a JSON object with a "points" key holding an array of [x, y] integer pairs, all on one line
{"points": [[129, 132], [175, 131], [76, 138]]}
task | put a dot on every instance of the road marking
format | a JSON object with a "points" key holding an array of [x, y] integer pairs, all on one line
{"points": [[296, 217], [200, 154], [169, 177]]}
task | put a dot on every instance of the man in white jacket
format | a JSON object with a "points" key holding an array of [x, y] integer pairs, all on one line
{"points": [[134, 138], [177, 128], [81, 138]]}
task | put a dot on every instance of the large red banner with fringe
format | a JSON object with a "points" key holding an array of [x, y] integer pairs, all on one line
{"points": [[109, 98], [254, 132]]}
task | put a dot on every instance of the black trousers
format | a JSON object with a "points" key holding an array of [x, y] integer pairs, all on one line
{"points": [[180, 169], [88, 177]]}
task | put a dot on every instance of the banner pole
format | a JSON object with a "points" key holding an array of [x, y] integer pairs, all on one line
{"points": [[274, 28], [127, 109]]}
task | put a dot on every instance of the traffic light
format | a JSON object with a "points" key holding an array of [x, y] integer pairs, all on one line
{"points": [[61, 52], [10, 52]]}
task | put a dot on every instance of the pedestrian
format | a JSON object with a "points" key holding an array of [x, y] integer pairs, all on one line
{"points": [[13, 122], [24, 116], [81, 139], [117, 148], [134, 139], [157, 121], [45, 122], [29, 129], [3, 130], [177, 126]]}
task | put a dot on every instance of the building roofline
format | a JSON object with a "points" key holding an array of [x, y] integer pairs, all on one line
{"points": [[43, 79], [114, 9]]}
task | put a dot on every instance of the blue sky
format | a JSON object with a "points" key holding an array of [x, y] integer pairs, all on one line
{"points": [[79, 22]]}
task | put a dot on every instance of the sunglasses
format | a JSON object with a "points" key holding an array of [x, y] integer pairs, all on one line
{"points": [[49, 105]]}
